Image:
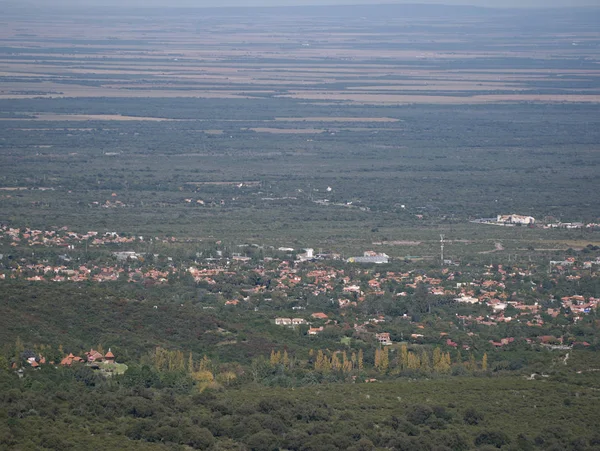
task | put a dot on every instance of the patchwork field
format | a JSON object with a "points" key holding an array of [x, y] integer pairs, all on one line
{"points": [[406, 56], [354, 125]]}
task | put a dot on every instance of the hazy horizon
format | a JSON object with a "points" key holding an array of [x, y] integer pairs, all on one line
{"points": [[271, 3]]}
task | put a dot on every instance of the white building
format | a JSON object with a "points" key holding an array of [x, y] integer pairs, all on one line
{"points": [[516, 219], [467, 300]]}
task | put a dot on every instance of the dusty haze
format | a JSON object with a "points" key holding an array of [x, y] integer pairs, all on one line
{"points": [[218, 3]]}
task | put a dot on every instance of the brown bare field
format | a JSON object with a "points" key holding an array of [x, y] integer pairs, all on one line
{"points": [[437, 99], [70, 129], [288, 131], [244, 183], [336, 119], [442, 86], [398, 243], [90, 117], [286, 56]]}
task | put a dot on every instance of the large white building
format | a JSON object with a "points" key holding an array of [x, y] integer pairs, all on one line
{"points": [[516, 219], [370, 257]]}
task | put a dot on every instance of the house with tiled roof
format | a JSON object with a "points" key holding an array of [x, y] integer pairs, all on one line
{"points": [[319, 315], [70, 359], [109, 357], [94, 356]]}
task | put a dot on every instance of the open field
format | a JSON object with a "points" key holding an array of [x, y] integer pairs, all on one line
{"points": [[287, 131], [338, 116], [337, 119], [359, 57], [91, 117]]}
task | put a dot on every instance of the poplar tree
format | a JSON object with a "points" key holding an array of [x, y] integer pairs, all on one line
{"points": [[384, 360], [425, 363], [413, 361], [205, 364], [274, 359], [190, 364], [335, 362], [472, 362], [437, 359], [285, 359], [346, 364], [403, 356], [319, 361]]}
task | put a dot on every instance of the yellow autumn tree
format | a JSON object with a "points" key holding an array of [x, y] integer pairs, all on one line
{"points": [[159, 358], [359, 361], [274, 360], [437, 358], [385, 360], [175, 361], [285, 360], [336, 365], [472, 363], [441, 361], [226, 377], [203, 378], [377, 360], [205, 364], [319, 361], [326, 364], [403, 357], [382, 359], [413, 361], [425, 362], [190, 364], [484, 362], [346, 363]]}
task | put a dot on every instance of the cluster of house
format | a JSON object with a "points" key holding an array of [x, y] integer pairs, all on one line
{"points": [[91, 357], [293, 322], [78, 273], [570, 262], [109, 204], [507, 220], [350, 291], [572, 225], [489, 290], [543, 340], [345, 287], [337, 283], [63, 237], [513, 219]]}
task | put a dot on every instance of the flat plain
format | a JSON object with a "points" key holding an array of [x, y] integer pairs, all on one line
{"points": [[356, 125]]}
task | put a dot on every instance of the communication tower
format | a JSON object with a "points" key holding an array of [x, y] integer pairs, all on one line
{"points": [[442, 248]]}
